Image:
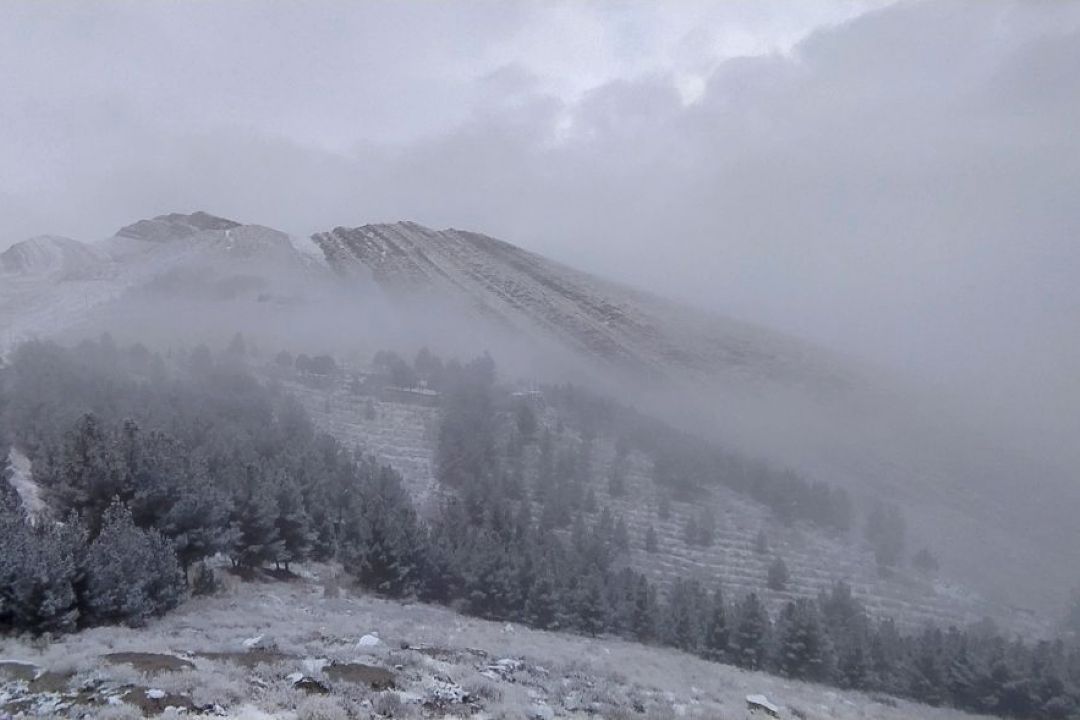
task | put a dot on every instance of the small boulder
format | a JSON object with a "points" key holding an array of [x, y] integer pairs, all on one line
{"points": [[541, 711], [369, 640], [760, 703], [260, 642]]}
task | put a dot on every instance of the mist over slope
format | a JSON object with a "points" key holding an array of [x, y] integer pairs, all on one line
{"points": [[193, 278]]}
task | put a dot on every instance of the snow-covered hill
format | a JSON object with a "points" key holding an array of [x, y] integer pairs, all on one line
{"points": [[51, 256], [50, 285], [293, 651], [405, 437], [196, 277]]}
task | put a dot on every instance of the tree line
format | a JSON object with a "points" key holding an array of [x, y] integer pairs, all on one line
{"points": [[151, 464]]}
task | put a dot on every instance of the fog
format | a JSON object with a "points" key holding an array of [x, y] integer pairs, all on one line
{"points": [[894, 182]]}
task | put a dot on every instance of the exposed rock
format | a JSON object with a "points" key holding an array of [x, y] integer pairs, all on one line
{"points": [[760, 703], [174, 226], [308, 684], [376, 678], [149, 662]]}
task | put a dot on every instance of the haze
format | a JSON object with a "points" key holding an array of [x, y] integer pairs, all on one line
{"points": [[894, 181]]}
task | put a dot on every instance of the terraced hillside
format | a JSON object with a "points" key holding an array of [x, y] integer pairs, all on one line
{"points": [[404, 436]]}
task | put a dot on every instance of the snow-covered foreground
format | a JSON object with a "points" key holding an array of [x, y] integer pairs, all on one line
{"points": [[300, 649]]}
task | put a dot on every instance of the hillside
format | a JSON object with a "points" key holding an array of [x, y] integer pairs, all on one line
{"points": [[199, 278], [249, 652], [405, 435]]}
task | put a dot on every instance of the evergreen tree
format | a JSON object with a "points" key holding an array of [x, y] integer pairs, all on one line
{"points": [[652, 543], [685, 619], [802, 648], [645, 611], [717, 633], [131, 574], [885, 529], [691, 531], [87, 478], [663, 508], [591, 609], [621, 536], [255, 537], [293, 523], [749, 643], [848, 627], [541, 602], [383, 545], [39, 570], [761, 543], [706, 527], [778, 575]]}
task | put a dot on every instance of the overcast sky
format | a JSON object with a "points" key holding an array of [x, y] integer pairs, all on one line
{"points": [[898, 181]]}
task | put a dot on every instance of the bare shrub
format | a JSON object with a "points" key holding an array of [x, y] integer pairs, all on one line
{"points": [[119, 712], [322, 708], [388, 704], [483, 689]]}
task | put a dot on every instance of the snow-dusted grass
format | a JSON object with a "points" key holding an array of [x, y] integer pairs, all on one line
{"points": [[564, 672]]}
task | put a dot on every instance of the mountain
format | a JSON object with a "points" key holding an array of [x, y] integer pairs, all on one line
{"points": [[57, 285], [50, 255], [188, 278], [777, 397], [594, 318]]}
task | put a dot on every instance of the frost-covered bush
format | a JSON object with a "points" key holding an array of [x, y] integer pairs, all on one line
{"points": [[131, 573], [321, 708]]}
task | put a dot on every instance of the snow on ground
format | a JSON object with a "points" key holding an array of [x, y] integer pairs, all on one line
{"points": [[24, 484], [442, 665]]}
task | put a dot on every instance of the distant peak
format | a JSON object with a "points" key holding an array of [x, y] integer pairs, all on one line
{"points": [[174, 226]]}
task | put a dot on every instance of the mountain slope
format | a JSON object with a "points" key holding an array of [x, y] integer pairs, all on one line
{"points": [[53, 285], [770, 395], [517, 289]]}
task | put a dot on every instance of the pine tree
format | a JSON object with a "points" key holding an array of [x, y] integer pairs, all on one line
{"points": [[706, 527], [691, 531], [196, 520], [541, 602], [778, 575], [847, 625], [87, 478], [663, 507], [802, 649], [293, 523], [621, 536], [685, 619], [643, 619], [717, 633], [761, 543], [131, 574], [255, 536], [749, 644], [383, 543], [39, 569], [885, 529], [652, 543], [590, 606]]}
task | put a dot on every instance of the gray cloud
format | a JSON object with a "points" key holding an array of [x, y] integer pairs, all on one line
{"points": [[901, 186]]}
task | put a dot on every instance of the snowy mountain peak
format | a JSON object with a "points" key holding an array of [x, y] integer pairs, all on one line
{"points": [[51, 255], [175, 226]]}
